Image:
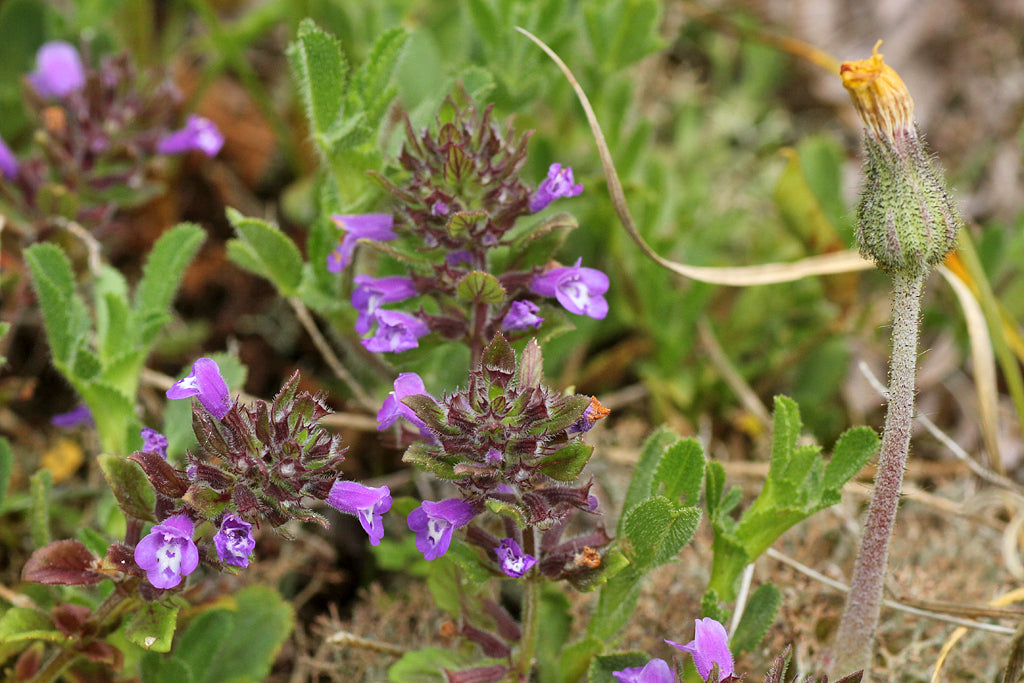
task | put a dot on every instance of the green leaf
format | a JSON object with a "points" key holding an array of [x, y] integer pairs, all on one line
{"points": [[785, 432], [260, 624], [757, 618], [131, 487], [320, 73], [199, 644], [278, 257], [40, 485], [567, 462], [576, 659], [616, 603], [681, 471], [714, 487], [641, 486], [709, 607], [6, 465], [4, 329], [555, 623], [468, 559], [152, 625], [602, 666], [853, 450], [657, 529], [427, 665], [54, 283], [373, 77], [18, 625], [157, 668], [165, 265], [482, 288]]}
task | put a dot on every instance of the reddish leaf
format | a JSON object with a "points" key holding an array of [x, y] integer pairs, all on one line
{"points": [[69, 619], [103, 653], [162, 475], [67, 563]]}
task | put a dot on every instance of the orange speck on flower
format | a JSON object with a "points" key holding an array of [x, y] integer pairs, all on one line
{"points": [[596, 411], [588, 558], [879, 95]]}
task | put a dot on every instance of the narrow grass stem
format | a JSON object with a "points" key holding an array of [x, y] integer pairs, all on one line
{"points": [[854, 640]]}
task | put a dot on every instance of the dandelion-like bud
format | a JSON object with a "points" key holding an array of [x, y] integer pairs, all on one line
{"points": [[906, 220]]}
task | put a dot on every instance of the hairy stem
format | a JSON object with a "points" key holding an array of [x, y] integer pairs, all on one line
{"points": [[530, 613], [854, 640]]}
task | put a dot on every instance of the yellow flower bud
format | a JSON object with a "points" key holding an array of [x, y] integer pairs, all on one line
{"points": [[906, 220]]}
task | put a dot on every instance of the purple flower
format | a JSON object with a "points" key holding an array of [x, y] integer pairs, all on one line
{"points": [[406, 384], [206, 383], [594, 412], [365, 502], [655, 671], [396, 332], [710, 646], [234, 541], [59, 70], [457, 258], [371, 226], [559, 183], [522, 316], [8, 162], [371, 292], [512, 560], [199, 134], [578, 289], [154, 442], [439, 208], [168, 553], [435, 522], [77, 417]]}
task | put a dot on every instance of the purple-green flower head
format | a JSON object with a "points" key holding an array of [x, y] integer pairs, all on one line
{"points": [[396, 332], [522, 315], [710, 646], [371, 292], [578, 289], [234, 541], [512, 560], [370, 226], [655, 671], [368, 504], [77, 417], [199, 134], [168, 552], [59, 71], [558, 184], [206, 383], [406, 384], [9, 166], [435, 522], [154, 442]]}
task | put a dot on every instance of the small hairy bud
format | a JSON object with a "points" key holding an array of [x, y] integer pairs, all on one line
{"points": [[906, 220]]}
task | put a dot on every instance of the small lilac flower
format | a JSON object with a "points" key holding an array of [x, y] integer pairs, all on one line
{"points": [[655, 671], [594, 412], [59, 70], [368, 504], [493, 456], [154, 442], [234, 541], [199, 134], [406, 384], [559, 183], [8, 162], [205, 382], [371, 226], [512, 560], [522, 315], [578, 289], [168, 552], [439, 208], [76, 417], [710, 646], [435, 522], [371, 292], [396, 332]]}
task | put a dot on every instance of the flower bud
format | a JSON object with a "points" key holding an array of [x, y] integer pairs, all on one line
{"points": [[906, 220]]}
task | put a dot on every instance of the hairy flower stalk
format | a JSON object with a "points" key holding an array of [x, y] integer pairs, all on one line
{"points": [[906, 223]]}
